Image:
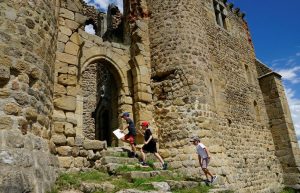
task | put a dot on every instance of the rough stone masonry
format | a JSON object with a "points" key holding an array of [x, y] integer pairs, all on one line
{"points": [[188, 67]]}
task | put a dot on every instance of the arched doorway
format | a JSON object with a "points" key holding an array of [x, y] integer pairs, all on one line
{"points": [[101, 92]]}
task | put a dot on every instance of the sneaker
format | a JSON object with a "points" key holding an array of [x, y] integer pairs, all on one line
{"points": [[165, 166], [213, 179], [143, 164]]}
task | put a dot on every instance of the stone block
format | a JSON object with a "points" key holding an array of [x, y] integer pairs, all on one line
{"points": [[72, 91], [70, 130], [21, 98], [65, 162], [59, 115], [60, 89], [79, 18], [65, 30], [4, 74], [75, 151], [71, 48], [66, 14], [67, 58], [64, 150], [71, 141], [75, 38], [94, 145], [71, 118], [30, 114], [71, 24], [66, 103], [59, 127], [62, 37], [12, 109], [78, 162], [79, 140], [60, 47], [67, 79], [161, 186], [61, 67], [73, 70], [144, 97], [4, 93], [15, 139], [59, 139], [6, 123]]}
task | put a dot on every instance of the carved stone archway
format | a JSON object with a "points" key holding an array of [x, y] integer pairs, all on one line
{"points": [[105, 86]]}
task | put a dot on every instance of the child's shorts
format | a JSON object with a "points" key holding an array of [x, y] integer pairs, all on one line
{"points": [[150, 148], [205, 162], [130, 138]]}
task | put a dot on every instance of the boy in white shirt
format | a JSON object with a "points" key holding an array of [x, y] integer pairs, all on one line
{"points": [[203, 157]]}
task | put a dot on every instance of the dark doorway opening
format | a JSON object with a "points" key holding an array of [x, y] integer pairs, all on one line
{"points": [[106, 112]]}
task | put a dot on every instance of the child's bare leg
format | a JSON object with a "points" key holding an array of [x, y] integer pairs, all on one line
{"points": [[159, 157], [143, 155], [205, 172], [133, 147]]}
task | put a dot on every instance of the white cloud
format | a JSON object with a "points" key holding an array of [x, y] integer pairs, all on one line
{"points": [[90, 29], [298, 54], [294, 104], [291, 74], [103, 4]]}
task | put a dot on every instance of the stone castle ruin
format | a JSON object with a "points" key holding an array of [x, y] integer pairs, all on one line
{"points": [[188, 67]]}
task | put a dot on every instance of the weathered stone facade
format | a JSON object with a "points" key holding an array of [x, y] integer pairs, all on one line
{"points": [[169, 62]]}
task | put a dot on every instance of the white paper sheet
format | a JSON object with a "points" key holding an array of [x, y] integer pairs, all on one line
{"points": [[118, 133]]}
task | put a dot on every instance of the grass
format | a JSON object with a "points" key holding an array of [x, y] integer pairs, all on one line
{"points": [[125, 168], [288, 190], [73, 181]]}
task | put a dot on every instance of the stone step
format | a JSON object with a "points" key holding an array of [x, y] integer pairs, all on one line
{"points": [[114, 153], [94, 187], [174, 185], [219, 190], [112, 168], [118, 160], [133, 175]]}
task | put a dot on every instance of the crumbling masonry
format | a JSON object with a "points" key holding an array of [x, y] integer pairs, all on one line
{"points": [[188, 67]]}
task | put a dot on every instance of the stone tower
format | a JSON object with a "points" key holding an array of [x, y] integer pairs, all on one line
{"points": [[188, 67], [28, 34]]}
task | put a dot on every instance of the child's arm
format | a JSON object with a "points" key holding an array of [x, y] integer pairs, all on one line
{"points": [[146, 142], [206, 150]]}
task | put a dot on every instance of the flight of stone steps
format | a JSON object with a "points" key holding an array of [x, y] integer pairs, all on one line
{"points": [[115, 158]]}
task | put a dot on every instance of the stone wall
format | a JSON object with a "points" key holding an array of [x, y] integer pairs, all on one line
{"points": [[191, 53], [282, 129], [28, 34], [25, 163], [75, 88]]}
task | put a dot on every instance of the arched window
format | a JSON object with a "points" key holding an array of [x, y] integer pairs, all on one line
{"points": [[90, 27]]}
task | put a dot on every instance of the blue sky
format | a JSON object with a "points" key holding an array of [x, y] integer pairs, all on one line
{"points": [[275, 30]]}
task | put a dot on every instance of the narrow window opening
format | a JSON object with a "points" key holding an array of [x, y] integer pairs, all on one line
{"points": [[248, 74], [220, 14], [212, 91], [257, 113]]}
